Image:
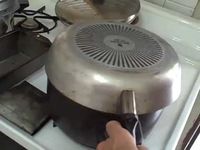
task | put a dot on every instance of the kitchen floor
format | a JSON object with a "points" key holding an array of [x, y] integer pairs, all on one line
{"points": [[193, 116]]}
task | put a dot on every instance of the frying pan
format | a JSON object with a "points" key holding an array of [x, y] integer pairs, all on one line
{"points": [[109, 71]]}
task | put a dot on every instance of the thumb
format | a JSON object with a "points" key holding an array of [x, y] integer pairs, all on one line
{"points": [[141, 147]]}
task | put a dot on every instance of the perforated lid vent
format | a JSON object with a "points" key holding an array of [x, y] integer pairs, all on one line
{"points": [[118, 46]]}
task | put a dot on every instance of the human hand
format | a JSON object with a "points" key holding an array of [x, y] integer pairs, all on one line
{"points": [[119, 139]]}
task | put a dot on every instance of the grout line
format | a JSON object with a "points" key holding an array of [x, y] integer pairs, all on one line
{"points": [[196, 9], [178, 3], [164, 3]]}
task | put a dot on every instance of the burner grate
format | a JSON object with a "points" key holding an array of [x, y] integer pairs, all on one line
{"points": [[35, 17]]}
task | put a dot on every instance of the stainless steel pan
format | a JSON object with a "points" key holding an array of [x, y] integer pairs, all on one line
{"points": [[109, 71], [93, 63]]}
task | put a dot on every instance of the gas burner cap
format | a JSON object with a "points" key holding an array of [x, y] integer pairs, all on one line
{"points": [[30, 24]]}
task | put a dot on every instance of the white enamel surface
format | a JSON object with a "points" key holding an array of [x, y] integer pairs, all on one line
{"points": [[183, 33], [182, 119]]}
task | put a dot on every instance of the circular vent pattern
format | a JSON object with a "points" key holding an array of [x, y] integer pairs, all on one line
{"points": [[119, 46]]}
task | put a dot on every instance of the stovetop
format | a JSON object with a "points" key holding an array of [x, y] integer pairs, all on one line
{"points": [[181, 32]]}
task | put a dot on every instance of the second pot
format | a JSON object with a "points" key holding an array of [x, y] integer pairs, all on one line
{"points": [[85, 125]]}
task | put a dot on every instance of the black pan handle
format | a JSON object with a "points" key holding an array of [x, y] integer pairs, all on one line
{"points": [[131, 123], [128, 118]]}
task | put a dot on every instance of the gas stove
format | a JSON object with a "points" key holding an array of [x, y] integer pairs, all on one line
{"points": [[181, 32]]}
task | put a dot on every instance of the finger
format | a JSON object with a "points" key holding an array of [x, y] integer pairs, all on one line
{"points": [[105, 145], [113, 128], [141, 147], [101, 146]]}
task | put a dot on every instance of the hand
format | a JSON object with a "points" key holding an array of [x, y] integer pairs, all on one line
{"points": [[119, 139]]}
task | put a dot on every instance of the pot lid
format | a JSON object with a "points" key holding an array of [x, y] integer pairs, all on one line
{"points": [[87, 10], [93, 63]]}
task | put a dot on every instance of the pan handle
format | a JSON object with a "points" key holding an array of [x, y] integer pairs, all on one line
{"points": [[129, 117], [130, 123]]}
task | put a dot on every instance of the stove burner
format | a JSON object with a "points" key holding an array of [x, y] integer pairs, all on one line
{"points": [[30, 24], [33, 20]]}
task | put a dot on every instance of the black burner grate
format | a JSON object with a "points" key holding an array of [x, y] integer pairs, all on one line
{"points": [[37, 17]]}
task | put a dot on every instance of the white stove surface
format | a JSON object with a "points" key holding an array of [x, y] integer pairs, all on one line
{"points": [[182, 33]]}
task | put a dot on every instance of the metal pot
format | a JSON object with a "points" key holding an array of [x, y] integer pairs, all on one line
{"points": [[87, 126], [93, 65]]}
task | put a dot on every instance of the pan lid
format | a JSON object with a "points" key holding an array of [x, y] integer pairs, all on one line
{"points": [[74, 11], [93, 63]]}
